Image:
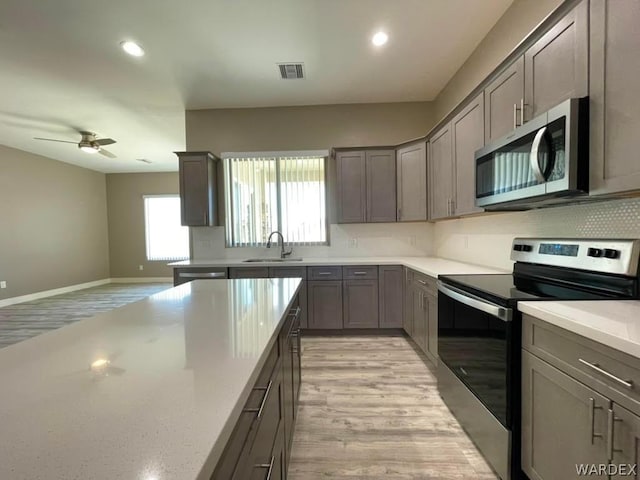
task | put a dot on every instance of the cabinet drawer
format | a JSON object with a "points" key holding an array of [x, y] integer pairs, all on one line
{"points": [[425, 282], [324, 273], [610, 372], [288, 272], [249, 272], [360, 272]]}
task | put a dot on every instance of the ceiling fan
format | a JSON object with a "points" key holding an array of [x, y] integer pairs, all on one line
{"points": [[89, 143]]}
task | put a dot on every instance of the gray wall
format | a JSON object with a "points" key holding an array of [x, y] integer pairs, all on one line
{"points": [[127, 248], [516, 23], [53, 224]]}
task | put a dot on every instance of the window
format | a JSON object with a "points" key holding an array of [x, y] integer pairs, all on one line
{"points": [[269, 191], [166, 238]]}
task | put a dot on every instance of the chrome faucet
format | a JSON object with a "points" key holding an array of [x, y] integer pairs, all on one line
{"points": [[283, 253]]}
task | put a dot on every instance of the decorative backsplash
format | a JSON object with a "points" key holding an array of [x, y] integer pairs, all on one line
{"points": [[486, 240]]}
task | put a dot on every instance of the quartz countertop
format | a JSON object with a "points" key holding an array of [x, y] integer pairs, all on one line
{"points": [[432, 266], [614, 323], [181, 366]]}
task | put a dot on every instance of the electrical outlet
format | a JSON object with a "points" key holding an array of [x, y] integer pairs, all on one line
{"points": [[412, 240], [140, 267], [466, 242], [353, 242], [3, 284]]}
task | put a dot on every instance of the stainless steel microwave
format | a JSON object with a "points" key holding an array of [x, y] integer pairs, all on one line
{"points": [[543, 162]]}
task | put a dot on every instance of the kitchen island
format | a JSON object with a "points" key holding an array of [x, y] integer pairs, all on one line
{"points": [[151, 391]]}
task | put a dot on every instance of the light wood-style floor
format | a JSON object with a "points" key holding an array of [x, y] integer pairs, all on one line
{"points": [[370, 410]]}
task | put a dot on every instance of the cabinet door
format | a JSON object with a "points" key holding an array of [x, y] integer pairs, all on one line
{"points": [[407, 317], [352, 186], [556, 66], [390, 296], [559, 412], [441, 190], [197, 182], [360, 309], [614, 96], [432, 326], [324, 300], [501, 99], [381, 186], [468, 136], [411, 169], [625, 449], [419, 319]]}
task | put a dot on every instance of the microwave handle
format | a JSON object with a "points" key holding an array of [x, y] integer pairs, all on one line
{"points": [[473, 301], [533, 159]]}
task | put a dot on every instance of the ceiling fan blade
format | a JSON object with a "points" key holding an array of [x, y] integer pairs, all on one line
{"points": [[54, 140], [106, 153], [105, 141]]}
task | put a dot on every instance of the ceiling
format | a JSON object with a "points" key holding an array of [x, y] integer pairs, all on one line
{"points": [[61, 68]]}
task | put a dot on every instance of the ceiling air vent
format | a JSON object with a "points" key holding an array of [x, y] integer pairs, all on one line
{"points": [[290, 71]]}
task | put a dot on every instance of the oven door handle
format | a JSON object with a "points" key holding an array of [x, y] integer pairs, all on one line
{"points": [[476, 302]]}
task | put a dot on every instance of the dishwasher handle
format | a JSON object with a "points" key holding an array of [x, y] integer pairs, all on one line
{"points": [[202, 275]]}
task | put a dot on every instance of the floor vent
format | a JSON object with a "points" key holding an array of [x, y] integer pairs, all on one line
{"points": [[290, 71]]}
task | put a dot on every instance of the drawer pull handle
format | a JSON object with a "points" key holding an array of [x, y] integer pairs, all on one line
{"points": [[324, 273], [592, 409], [267, 465], [267, 389], [596, 367], [295, 313], [422, 282], [359, 273]]}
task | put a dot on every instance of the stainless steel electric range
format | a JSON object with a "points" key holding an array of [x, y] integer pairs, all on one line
{"points": [[479, 330]]}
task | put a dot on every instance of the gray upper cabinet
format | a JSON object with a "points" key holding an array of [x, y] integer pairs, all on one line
{"points": [[468, 136], [381, 186], [198, 176], [352, 186], [366, 186], [441, 172], [411, 164], [502, 101], [360, 303], [390, 296], [559, 411], [556, 66], [614, 96]]}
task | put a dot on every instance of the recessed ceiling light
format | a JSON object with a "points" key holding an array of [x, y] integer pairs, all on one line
{"points": [[379, 39], [132, 48]]}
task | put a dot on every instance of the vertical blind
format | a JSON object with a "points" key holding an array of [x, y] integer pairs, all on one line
{"points": [[275, 192], [166, 238]]}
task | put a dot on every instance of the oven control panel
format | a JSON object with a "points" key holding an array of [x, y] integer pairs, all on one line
{"points": [[601, 255]]}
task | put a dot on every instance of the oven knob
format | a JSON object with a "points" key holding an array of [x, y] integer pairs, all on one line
{"points": [[527, 248], [611, 253], [517, 247], [594, 252]]}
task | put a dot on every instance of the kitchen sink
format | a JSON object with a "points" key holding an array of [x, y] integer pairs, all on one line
{"points": [[267, 260]]}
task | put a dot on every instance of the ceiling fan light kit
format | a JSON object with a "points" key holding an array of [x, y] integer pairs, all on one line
{"points": [[88, 143]]}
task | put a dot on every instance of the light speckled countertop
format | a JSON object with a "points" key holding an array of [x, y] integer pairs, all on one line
{"points": [[614, 323], [182, 365], [432, 266]]}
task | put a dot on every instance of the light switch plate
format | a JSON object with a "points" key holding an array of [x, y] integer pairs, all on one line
{"points": [[3, 284]]}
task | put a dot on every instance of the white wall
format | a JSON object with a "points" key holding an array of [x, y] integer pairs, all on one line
{"points": [[486, 240], [373, 239]]}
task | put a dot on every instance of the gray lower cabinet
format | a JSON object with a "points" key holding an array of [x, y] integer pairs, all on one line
{"points": [[422, 299], [324, 302], [411, 167], [407, 314], [295, 272], [441, 174], [420, 320], [390, 296], [503, 99], [614, 96], [559, 412], [432, 326], [381, 186], [248, 272], [360, 303], [468, 136], [625, 447], [352, 186], [198, 178], [556, 66]]}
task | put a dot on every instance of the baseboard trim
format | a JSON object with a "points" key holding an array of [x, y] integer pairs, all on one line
{"points": [[50, 293], [143, 280]]}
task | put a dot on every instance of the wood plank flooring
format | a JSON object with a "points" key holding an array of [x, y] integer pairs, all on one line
{"points": [[25, 320], [370, 410]]}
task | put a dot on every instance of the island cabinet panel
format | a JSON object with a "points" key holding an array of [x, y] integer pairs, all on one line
{"points": [[290, 343], [352, 186], [295, 272], [614, 96], [390, 296], [325, 304], [198, 179], [503, 99], [556, 66], [411, 165], [249, 272], [360, 308]]}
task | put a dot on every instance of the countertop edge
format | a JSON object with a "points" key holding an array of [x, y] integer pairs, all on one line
{"points": [[218, 447]]}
